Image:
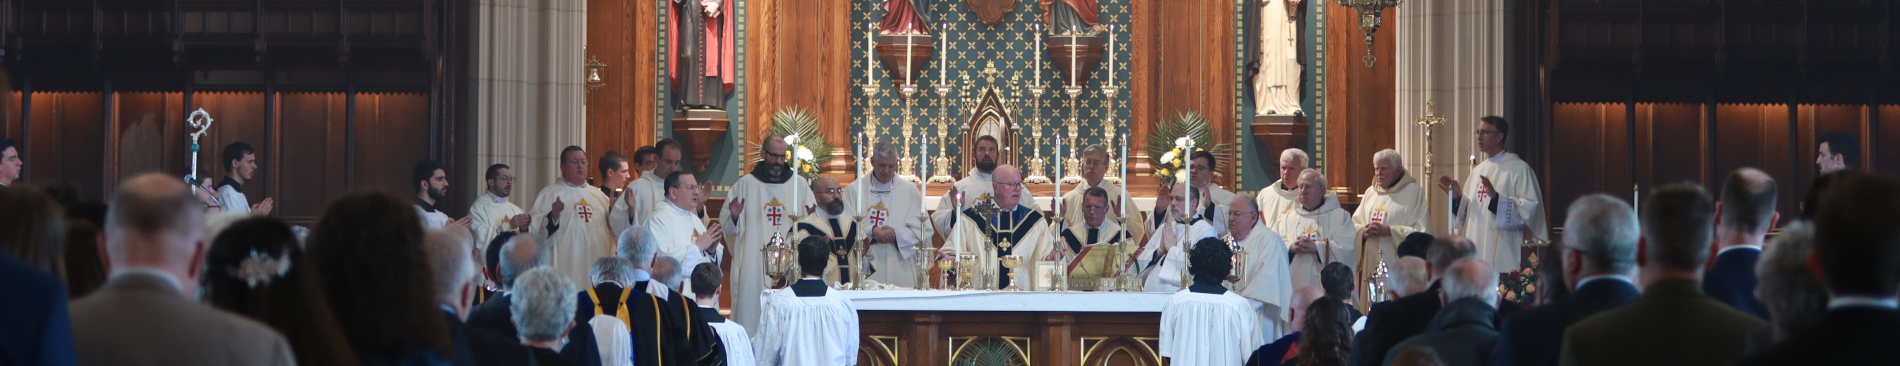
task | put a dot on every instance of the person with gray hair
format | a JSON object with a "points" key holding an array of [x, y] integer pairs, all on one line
{"points": [[615, 270], [1599, 256], [1317, 231], [542, 297], [893, 221], [1095, 167], [1395, 321], [523, 254], [1391, 209], [647, 306], [1672, 322], [1279, 197], [147, 312], [1795, 299], [456, 283], [1406, 277], [1464, 329]]}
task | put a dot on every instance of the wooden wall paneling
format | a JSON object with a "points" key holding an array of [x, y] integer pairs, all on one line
{"points": [[237, 116], [65, 142], [1198, 59], [1676, 143], [1143, 82], [312, 153], [809, 67], [623, 36], [1888, 139], [1593, 151], [150, 137], [1359, 102], [764, 73], [388, 143], [1741, 139]]}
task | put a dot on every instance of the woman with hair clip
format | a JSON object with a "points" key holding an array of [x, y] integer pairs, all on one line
{"points": [[255, 268]]}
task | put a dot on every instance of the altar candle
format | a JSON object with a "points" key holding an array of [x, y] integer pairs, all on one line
{"points": [[1124, 175], [861, 175], [792, 155], [870, 52], [1075, 74], [923, 191], [943, 53], [1055, 199], [1111, 57], [1036, 68], [910, 42]]}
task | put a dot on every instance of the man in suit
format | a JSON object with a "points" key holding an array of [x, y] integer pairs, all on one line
{"points": [[154, 245], [1742, 219], [540, 311], [34, 327], [521, 254], [1393, 321], [1857, 254], [1673, 322], [1599, 256], [456, 283], [1463, 330]]}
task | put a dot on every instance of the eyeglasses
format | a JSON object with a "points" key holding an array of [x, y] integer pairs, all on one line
{"points": [[831, 190], [1011, 185], [1242, 213], [769, 154], [506, 178]]}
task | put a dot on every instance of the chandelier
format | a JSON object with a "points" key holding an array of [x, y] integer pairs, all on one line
{"points": [[1369, 11]]}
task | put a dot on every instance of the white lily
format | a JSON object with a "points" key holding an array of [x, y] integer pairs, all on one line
{"points": [[1182, 143], [1168, 157], [804, 154], [792, 140]]}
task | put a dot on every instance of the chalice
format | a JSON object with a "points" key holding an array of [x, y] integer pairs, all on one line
{"points": [[1012, 262]]}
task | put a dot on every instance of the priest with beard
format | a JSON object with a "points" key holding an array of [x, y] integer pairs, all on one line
{"points": [[1094, 168], [1320, 231], [832, 223], [684, 238], [893, 221], [974, 187], [1278, 199], [759, 206], [1014, 229], [572, 215], [1393, 208], [1164, 259]]}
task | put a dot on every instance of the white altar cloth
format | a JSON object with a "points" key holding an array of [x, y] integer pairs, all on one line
{"points": [[1071, 301]]}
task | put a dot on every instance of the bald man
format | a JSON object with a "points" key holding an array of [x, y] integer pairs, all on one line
{"points": [[1273, 353], [830, 221], [1014, 229], [761, 204], [1163, 260], [1743, 216]]}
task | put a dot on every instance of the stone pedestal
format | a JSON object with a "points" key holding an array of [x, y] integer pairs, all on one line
{"points": [[1279, 132], [700, 128]]}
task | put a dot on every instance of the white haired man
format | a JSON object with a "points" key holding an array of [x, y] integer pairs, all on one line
{"points": [[1278, 198], [1317, 230], [1392, 208], [542, 298]]}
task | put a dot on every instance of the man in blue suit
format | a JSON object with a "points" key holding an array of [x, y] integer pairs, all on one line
{"points": [[1598, 258], [34, 326], [1742, 219]]}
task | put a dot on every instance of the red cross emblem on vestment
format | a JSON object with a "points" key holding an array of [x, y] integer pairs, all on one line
{"points": [[586, 212], [774, 212], [878, 212]]}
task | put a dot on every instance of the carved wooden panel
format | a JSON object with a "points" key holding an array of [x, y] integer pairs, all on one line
{"points": [[1121, 351], [1359, 102]]}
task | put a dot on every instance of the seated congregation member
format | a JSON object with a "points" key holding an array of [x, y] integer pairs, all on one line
{"points": [[518, 255], [1326, 341], [452, 261], [664, 324], [368, 251], [541, 299], [256, 269], [706, 283], [1392, 322], [1857, 250], [807, 324], [1462, 332], [1599, 256], [1795, 298], [143, 315], [1285, 348], [1208, 325], [1673, 322]]}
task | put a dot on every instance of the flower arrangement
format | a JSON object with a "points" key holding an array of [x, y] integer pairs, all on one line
{"points": [[1168, 148], [808, 148], [1521, 286]]}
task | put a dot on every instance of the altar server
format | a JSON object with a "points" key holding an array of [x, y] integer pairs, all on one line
{"points": [[892, 221], [761, 204], [240, 166], [1278, 199], [1264, 279], [1498, 205], [615, 175], [807, 324], [974, 187], [1162, 260], [1094, 168], [492, 214], [1206, 324], [1319, 230], [682, 236], [1014, 229], [572, 215], [1392, 208], [432, 184], [830, 222], [706, 283]]}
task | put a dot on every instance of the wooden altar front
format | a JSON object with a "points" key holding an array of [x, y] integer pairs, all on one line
{"points": [[908, 327]]}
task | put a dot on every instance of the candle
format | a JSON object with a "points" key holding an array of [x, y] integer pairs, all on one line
{"points": [[923, 190], [870, 53], [1124, 175], [910, 42], [861, 175], [793, 156], [943, 54], [1075, 74], [1189, 169], [1055, 199], [1036, 68], [1111, 56]]}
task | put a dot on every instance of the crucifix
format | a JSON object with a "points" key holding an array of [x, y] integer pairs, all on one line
{"points": [[1427, 122]]}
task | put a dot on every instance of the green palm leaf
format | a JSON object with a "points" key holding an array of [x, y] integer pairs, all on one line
{"points": [[800, 121], [1191, 124]]}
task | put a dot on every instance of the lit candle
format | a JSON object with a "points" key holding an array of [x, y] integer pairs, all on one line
{"points": [[1075, 74], [870, 52], [1124, 175], [1036, 68], [792, 154], [1111, 56], [943, 53], [1055, 199], [910, 42]]}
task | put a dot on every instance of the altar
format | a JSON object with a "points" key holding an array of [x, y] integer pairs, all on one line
{"points": [[911, 327]]}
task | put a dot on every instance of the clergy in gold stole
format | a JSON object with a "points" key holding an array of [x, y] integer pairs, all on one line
{"points": [[974, 187], [1091, 229], [1094, 167], [829, 222], [1012, 229], [1393, 207], [1500, 203], [572, 215], [1318, 231], [893, 222], [760, 205]]}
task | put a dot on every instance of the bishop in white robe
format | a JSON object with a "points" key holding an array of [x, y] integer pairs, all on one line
{"points": [[1163, 259], [1013, 229], [893, 219], [1499, 205], [761, 204], [1392, 208], [572, 215], [1278, 199], [1264, 275], [1320, 232]]}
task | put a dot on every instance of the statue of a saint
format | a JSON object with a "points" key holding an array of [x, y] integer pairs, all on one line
{"points": [[906, 17], [1070, 17], [1273, 56], [700, 40]]}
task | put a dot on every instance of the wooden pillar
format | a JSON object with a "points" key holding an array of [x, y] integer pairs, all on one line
{"points": [[924, 345], [1059, 341]]}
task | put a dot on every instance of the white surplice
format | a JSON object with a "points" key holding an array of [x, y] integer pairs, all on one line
{"points": [[1164, 274], [768, 210], [1207, 329], [1402, 208], [734, 338], [900, 206], [1265, 279], [489, 216], [1499, 235], [820, 330], [677, 230], [975, 187], [1328, 222], [1277, 201], [431, 218], [579, 236]]}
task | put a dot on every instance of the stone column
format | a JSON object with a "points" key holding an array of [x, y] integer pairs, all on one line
{"points": [[1452, 53], [528, 97]]}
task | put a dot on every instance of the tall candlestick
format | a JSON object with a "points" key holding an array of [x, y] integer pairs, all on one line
{"points": [[943, 54], [1036, 68], [1111, 58], [792, 154], [924, 189], [861, 175], [910, 42], [1055, 199], [1124, 175], [870, 53]]}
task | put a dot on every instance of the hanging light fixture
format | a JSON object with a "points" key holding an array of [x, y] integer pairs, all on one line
{"points": [[1369, 11], [593, 79]]}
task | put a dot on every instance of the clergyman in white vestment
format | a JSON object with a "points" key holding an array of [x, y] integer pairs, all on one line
{"points": [[1278, 199], [974, 187], [1499, 202], [572, 215], [492, 214], [1014, 230], [1392, 208], [649, 191], [807, 323], [1318, 230], [893, 218], [1094, 168], [682, 236], [1217, 197], [1163, 258], [760, 205], [1263, 276], [1206, 324]]}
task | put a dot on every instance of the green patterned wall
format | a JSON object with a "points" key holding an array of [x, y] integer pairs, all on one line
{"points": [[974, 47], [728, 161]]}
